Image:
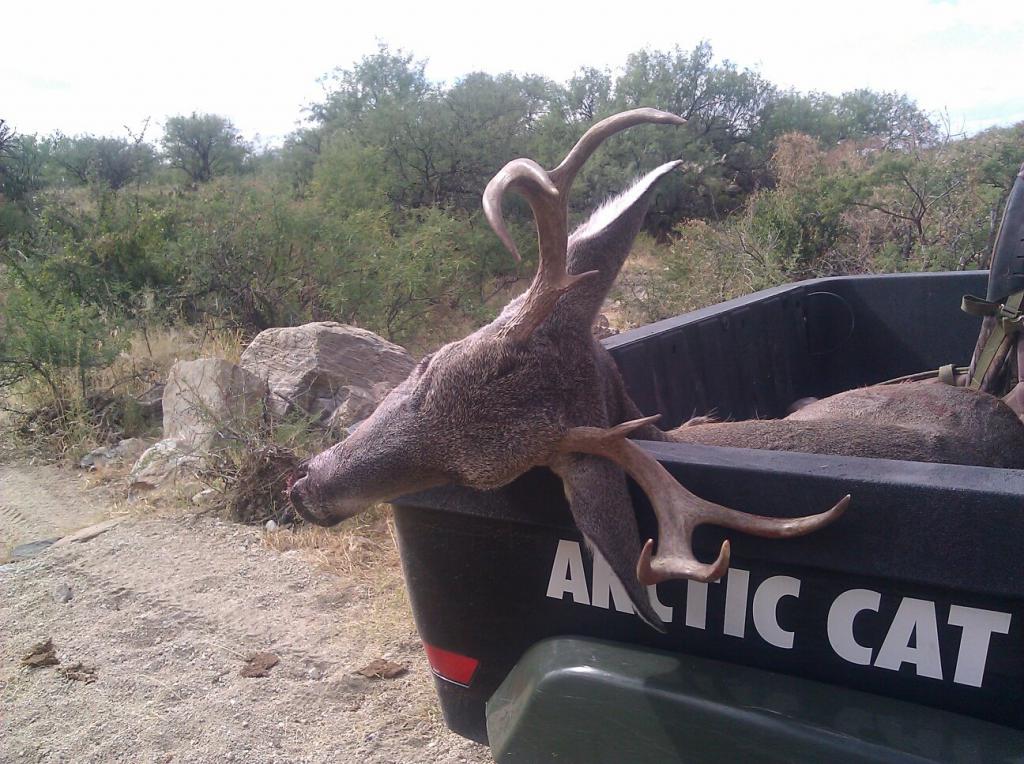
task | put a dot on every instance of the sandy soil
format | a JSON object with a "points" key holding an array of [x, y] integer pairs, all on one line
{"points": [[45, 502], [167, 610]]}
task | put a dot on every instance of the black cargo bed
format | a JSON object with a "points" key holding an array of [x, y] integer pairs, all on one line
{"points": [[917, 593]]}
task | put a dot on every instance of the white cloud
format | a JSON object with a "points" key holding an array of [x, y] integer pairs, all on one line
{"points": [[93, 67]]}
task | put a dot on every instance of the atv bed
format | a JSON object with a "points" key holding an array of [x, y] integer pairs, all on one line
{"points": [[915, 598]]}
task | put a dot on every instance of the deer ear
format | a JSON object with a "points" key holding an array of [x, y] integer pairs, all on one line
{"points": [[602, 243], [600, 505], [620, 217]]}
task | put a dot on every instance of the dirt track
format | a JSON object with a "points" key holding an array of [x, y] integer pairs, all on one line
{"points": [[166, 611], [44, 502]]}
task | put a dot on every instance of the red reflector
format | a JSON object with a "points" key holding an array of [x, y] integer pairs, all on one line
{"points": [[451, 666]]}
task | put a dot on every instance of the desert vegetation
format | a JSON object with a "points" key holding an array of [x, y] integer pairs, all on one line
{"points": [[122, 254]]}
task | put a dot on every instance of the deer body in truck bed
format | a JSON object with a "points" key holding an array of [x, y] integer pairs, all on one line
{"points": [[533, 388], [915, 421]]}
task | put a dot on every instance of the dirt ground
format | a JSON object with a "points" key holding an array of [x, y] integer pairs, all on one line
{"points": [[167, 609]]}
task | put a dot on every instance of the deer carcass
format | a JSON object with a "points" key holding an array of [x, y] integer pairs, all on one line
{"points": [[533, 388], [959, 423]]}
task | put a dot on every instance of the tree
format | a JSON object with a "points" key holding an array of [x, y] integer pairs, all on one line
{"points": [[383, 79], [21, 163], [22, 159], [299, 156], [204, 146], [855, 115], [724, 107], [115, 162]]}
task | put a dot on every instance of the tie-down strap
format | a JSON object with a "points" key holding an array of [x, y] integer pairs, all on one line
{"points": [[1008, 323]]}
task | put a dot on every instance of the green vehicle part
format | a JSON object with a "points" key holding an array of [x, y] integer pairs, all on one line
{"points": [[585, 700]]}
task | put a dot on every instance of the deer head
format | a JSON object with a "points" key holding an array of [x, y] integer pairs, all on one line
{"points": [[533, 388]]}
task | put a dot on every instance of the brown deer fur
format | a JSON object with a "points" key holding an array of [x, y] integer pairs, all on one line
{"points": [[533, 388]]}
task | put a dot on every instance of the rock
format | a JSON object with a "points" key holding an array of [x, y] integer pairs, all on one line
{"points": [[89, 533], [30, 550], [131, 449], [357, 406], [162, 462], [204, 497], [326, 367], [126, 450], [40, 655], [205, 396], [151, 402], [62, 593], [271, 526], [98, 457], [379, 668], [602, 328], [259, 665]]}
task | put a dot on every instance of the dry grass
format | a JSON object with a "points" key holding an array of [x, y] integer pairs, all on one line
{"points": [[632, 285], [151, 352], [357, 548], [49, 430], [364, 552]]}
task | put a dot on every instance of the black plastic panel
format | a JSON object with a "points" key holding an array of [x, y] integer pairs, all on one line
{"points": [[752, 357], [931, 539]]}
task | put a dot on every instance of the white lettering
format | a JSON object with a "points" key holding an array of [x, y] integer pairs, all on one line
{"points": [[840, 624], [737, 584], [607, 583], [979, 626], [915, 621], [664, 611], [567, 575], [697, 604], [766, 603]]}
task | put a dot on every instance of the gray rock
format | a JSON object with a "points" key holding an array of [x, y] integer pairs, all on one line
{"points": [[204, 497], [163, 462], [207, 396], [98, 457], [62, 593], [126, 450], [329, 370], [271, 526], [131, 449], [151, 402], [314, 673], [30, 550]]}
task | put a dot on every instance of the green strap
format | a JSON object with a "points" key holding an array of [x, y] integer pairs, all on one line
{"points": [[947, 374], [1008, 324], [975, 306]]}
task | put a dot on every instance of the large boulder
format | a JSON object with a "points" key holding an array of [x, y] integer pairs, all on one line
{"points": [[206, 396], [329, 370]]}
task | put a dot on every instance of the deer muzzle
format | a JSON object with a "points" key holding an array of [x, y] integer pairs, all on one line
{"points": [[353, 476], [313, 507]]}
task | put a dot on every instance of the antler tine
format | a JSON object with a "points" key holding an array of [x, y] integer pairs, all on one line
{"points": [[532, 181], [678, 511], [565, 173], [549, 211], [548, 196]]}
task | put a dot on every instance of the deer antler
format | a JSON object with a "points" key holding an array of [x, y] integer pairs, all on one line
{"points": [[548, 196], [678, 511]]}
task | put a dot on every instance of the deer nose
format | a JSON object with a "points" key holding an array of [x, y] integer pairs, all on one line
{"points": [[295, 496], [311, 506]]}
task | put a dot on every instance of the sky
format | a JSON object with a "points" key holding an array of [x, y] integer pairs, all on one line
{"points": [[103, 67]]}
